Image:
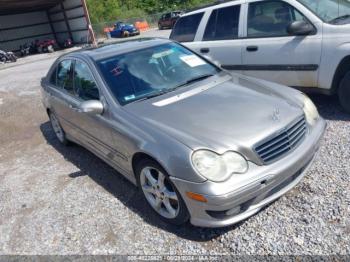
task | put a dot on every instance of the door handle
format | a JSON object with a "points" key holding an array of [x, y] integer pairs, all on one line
{"points": [[252, 48], [204, 50]]}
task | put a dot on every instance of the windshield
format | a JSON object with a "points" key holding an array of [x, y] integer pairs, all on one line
{"points": [[328, 10], [153, 71]]}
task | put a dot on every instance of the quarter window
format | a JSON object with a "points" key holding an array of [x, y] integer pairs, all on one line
{"points": [[64, 76], [84, 84], [271, 18], [186, 27], [223, 24]]}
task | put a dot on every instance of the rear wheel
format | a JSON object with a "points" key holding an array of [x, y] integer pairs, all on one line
{"points": [[344, 93], [160, 193], [126, 34], [160, 27], [59, 132]]}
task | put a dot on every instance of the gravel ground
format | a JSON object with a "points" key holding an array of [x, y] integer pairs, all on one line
{"points": [[64, 200]]}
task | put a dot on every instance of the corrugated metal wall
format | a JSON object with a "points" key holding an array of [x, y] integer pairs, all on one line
{"points": [[69, 21], [66, 20], [16, 30]]}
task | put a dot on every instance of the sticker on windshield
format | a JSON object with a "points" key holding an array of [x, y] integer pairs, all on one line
{"points": [[127, 98], [192, 60]]}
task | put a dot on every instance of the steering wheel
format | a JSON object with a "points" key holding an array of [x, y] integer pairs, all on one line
{"points": [[168, 70]]}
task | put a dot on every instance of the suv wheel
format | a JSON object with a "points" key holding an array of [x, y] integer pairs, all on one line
{"points": [[344, 92], [160, 193], [160, 27]]}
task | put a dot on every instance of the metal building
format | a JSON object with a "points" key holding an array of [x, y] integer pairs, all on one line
{"points": [[24, 21]]}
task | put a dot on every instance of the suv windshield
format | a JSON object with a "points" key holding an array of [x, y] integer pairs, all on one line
{"points": [[330, 11], [153, 71]]}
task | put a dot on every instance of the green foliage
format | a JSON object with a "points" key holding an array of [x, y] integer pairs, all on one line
{"points": [[112, 10]]}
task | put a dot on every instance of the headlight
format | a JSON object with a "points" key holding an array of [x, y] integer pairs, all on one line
{"points": [[310, 111], [216, 167]]}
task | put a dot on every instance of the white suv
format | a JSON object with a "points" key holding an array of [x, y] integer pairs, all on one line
{"points": [[299, 43]]}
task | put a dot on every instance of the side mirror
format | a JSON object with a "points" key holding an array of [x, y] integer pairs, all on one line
{"points": [[300, 28], [91, 107]]}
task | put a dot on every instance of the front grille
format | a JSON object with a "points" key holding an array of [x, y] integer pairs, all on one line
{"points": [[282, 143]]}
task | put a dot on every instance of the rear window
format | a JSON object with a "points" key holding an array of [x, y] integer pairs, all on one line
{"points": [[186, 28], [223, 24]]}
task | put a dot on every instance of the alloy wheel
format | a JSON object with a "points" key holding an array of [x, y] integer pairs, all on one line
{"points": [[57, 128], [159, 193]]}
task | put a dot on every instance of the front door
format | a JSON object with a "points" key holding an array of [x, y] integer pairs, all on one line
{"points": [[270, 53]]}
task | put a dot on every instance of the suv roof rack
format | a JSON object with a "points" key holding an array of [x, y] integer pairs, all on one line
{"points": [[208, 5]]}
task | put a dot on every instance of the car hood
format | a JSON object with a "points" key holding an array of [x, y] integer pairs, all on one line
{"points": [[221, 113]]}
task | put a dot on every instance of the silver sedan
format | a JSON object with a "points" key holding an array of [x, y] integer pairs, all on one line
{"points": [[201, 144]]}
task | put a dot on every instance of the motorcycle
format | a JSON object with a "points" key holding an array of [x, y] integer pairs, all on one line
{"points": [[45, 46], [7, 57], [68, 43], [25, 50]]}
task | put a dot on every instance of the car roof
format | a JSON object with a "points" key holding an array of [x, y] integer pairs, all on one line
{"points": [[109, 50], [215, 5]]}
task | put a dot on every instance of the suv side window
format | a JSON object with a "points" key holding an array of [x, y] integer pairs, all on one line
{"points": [[186, 28], [223, 24], [84, 83], [64, 76], [271, 18]]}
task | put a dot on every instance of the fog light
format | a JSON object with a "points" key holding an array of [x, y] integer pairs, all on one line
{"points": [[196, 197]]}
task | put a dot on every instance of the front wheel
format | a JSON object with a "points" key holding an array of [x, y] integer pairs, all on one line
{"points": [[344, 93], [160, 193]]}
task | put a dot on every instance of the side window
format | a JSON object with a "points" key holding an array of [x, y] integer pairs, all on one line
{"points": [[84, 84], [223, 24], [167, 16], [64, 76], [271, 18], [53, 77], [186, 28]]}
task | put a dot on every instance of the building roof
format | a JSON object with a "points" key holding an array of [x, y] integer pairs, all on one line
{"points": [[8, 7]]}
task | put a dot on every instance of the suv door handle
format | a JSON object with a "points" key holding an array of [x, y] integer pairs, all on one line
{"points": [[252, 48], [204, 50]]}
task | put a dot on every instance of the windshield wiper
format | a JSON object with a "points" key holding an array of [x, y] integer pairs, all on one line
{"points": [[343, 17], [195, 79]]}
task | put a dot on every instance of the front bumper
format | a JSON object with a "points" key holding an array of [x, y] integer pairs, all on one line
{"points": [[244, 195]]}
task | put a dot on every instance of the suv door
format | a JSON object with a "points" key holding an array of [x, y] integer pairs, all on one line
{"points": [[270, 53], [220, 40], [167, 20]]}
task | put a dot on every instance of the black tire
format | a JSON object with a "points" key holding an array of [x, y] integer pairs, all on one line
{"points": [[182, 214], [344, 93], [160, 27], [55, 124]]}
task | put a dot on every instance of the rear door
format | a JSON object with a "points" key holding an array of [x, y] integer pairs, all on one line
{"points": [[270, 53], [220, 40]]}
